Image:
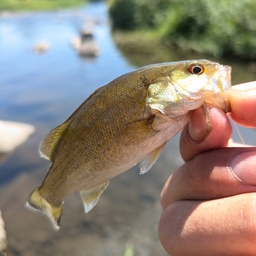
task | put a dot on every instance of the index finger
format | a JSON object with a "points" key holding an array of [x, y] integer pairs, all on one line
{"points": [[242, 100]]}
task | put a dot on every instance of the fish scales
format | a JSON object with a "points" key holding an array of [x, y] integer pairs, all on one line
{"points": [[93, 127], [121, 124]]}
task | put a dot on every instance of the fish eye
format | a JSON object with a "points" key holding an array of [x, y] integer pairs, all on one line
{"points": [[195, 69]]}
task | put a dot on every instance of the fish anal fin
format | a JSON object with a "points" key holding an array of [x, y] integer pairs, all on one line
{"points": [[91, 196], [150, 159], [50, 141], [37, 202]]}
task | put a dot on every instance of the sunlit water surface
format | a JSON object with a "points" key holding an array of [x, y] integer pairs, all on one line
{"points": [[44, 89]]}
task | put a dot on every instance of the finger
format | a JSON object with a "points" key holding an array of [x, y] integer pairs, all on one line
{"points": [[242, 100], [212, 174], [191, 143], [249, 86], [225, 227]]}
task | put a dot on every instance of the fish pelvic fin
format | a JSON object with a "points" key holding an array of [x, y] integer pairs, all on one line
{"points": [[150, 159], [36, 201], [91, 196], [49, 143]]}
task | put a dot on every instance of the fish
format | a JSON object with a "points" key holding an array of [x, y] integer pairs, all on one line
{"points": [[126, 122]]}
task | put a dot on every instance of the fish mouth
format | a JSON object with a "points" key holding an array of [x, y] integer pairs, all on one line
{"points": [[221, 82], [224, 80]]}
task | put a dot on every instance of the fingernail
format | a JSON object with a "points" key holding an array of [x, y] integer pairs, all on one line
{"points": [[245, 86], [198, 126], [244, 167]]}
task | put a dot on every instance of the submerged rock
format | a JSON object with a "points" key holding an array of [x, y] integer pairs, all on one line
{"points": [[85, 44], [13, 134], [41, 47]]}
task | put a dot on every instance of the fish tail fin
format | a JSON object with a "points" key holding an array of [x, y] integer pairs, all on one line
{"points": [[36, 201]]}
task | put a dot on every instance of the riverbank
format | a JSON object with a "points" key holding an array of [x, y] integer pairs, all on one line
{"points": [[35, 5], [141, 48], [208, 27]]}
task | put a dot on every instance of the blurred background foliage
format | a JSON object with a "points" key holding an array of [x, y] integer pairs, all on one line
{"points": [[220, 28]]}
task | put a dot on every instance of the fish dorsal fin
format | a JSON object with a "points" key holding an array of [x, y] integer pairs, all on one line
{"points": [[50, 141], [91, 196], [87, 100], [150, 159]]}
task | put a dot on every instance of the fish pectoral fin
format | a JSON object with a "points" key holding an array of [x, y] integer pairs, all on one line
{"points": [[50, 141], [150, 159], [91, 196], [36, 201]]}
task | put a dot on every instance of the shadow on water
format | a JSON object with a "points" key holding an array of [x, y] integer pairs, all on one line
{"points": [[44, 89]]}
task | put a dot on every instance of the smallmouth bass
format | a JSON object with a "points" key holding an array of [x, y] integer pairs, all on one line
{"points": [[121, 124]]}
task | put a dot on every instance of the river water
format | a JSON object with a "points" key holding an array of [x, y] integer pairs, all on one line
{"points": [[44, 89]]}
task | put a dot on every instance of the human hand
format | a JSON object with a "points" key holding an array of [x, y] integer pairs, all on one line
{"points": [[209, 203]]}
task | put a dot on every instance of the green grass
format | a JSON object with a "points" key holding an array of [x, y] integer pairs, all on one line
{"points": [[129, 250], [36, 5]]}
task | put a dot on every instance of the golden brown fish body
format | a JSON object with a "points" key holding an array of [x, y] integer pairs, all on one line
{"points": [[121, 124]]}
